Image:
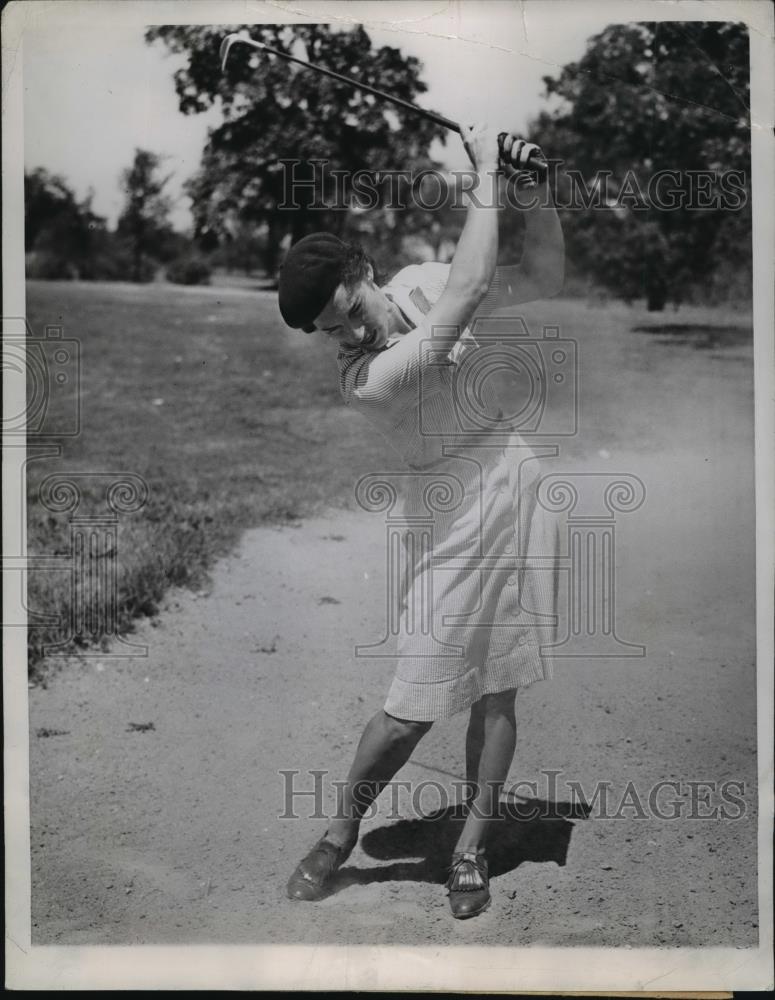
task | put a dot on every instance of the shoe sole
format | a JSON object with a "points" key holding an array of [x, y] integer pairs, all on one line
{"points": [[304, 899], [306, 892], [472, 913]]}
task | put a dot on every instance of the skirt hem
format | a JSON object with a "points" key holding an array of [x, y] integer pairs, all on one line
{"points": [[431, 702]]}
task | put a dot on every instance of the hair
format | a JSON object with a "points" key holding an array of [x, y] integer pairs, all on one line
{"points": [[355, 266]]}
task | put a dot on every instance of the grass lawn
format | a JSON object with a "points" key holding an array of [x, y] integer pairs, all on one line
{"points": [[233, 421]]}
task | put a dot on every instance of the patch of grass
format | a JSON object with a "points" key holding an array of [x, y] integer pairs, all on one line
{"points": [[701, 336], [231, 420]]}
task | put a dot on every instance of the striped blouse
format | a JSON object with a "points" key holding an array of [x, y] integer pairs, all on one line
{"points": [[405, 389]]}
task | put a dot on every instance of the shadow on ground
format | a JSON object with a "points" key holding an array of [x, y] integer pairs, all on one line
{"points": [[701, 337], [421, 849]]}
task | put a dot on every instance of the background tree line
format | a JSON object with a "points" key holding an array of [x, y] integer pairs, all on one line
{"points": [[644, 98], [647, 98], [65, 239]]}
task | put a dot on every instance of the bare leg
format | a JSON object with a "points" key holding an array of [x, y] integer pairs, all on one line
{"points": [[385, 746], [474, 745], [500, 735]]}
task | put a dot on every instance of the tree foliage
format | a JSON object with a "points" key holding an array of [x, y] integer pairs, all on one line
{"points": [[63, 237], [647, 98], [275, 111], [144, 221]]}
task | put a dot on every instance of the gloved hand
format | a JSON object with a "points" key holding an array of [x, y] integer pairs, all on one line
{"points": [[515, 154]]}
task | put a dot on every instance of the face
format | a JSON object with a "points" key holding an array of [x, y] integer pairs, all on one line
{"points": [[361, 316]]}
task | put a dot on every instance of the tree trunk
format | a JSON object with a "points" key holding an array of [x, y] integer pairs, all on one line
{"points": [[272, 246], [656, 298]]}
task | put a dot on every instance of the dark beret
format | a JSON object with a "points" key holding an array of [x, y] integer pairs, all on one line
{"points": [[311, 271]]}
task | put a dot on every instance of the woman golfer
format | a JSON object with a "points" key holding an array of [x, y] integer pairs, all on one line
{"points": [[486, 617]]}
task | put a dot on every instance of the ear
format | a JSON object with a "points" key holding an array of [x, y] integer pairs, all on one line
{"points": [[370, 274]]}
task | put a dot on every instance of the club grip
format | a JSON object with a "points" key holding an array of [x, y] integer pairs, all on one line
{"points": [[533, 162]]}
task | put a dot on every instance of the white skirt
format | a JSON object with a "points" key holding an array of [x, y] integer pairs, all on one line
{"points": [[479, 600]]}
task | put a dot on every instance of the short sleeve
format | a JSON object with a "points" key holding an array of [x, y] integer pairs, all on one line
{"points": [[374, 378], [431, 277], [392, 376]]}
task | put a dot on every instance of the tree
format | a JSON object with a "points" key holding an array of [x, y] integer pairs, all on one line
{"points": [[645, 99], [144, 225], [275, 111], [63, 236]]}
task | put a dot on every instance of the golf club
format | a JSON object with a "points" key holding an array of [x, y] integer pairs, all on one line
{"points": [[533, 163]]}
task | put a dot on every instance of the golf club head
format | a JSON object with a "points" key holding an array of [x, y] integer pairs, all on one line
{"points": [[226, 45], [229, 40]]}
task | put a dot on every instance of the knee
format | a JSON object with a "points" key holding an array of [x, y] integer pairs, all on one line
{"points": [[476, 718], [500, 704], [405, 730]]}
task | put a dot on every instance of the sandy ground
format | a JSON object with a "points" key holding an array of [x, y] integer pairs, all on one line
{"points": [[172, 834], [156, 784]]}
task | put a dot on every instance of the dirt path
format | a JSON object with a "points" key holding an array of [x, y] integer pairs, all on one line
{"points": [[171, 834]]}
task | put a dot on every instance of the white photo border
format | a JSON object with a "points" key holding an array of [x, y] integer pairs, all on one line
{"points": [[392, 967]]}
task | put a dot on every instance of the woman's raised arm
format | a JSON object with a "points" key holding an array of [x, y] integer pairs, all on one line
{"points": [[473, 264], [541, 271]]}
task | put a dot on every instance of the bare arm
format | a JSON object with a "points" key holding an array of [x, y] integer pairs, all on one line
{"points": [[473, 264], [541, 271], [374, 379]]}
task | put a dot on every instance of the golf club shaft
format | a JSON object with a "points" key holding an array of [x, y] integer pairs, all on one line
{"points": [[532, 163], [430, 115]]}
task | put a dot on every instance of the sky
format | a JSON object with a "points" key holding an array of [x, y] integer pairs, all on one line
{"points": [[94, 89]]}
